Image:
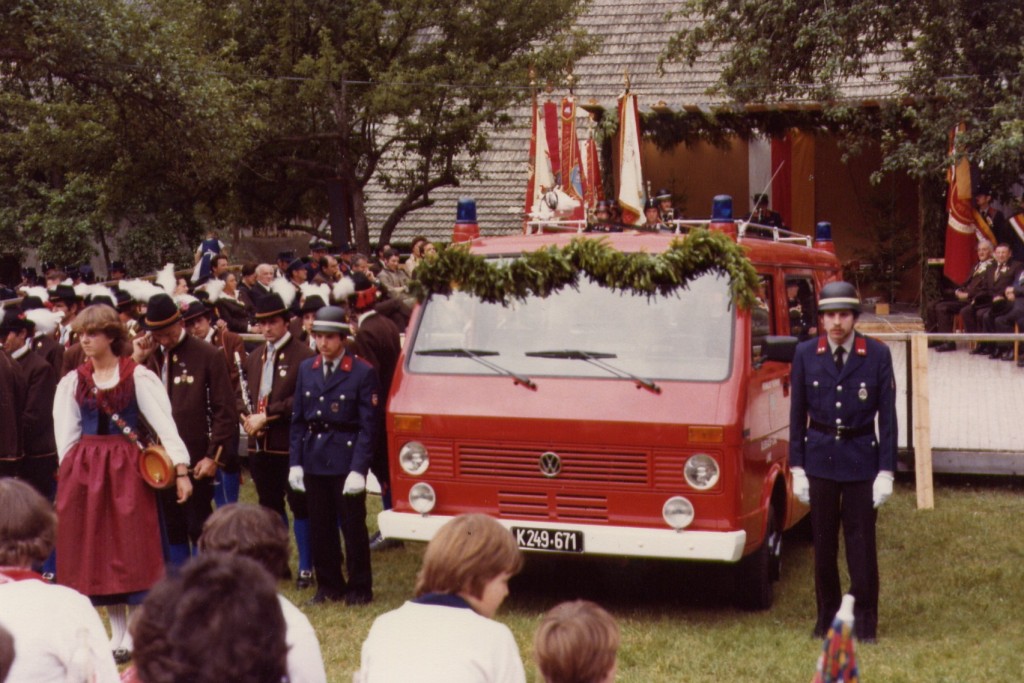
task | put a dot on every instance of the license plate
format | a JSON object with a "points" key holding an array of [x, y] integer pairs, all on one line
{"points": [[530, 538]]}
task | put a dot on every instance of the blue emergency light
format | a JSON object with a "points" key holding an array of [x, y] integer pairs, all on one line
{"points": [[721, 208]]}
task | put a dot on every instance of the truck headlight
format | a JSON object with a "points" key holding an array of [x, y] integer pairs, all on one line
{"points": [[701, 471], [422, 498], [678, 512], [414, 458]]}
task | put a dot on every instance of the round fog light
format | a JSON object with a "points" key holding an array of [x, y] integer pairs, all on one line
{"points": [[701, 471], [414, 458], [678, 512], [422, 498]]}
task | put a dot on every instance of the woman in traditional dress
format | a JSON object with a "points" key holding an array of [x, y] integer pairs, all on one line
{"points": [[108, 539]]}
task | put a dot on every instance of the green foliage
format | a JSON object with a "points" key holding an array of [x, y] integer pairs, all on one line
{"points": [[541, 272]]}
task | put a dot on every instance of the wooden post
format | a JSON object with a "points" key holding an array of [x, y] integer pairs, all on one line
{"points": [[922, 422]]}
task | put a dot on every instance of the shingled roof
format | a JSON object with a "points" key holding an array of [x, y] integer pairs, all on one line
{"points": [[634, 33]]}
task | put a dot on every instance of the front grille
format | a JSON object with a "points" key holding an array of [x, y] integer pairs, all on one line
{"points": [[591, 467], [566, 508]]}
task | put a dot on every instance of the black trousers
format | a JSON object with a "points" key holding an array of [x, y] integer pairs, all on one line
{"points": [[328, 508], [270, 475], [846, 504], [185, 522]]}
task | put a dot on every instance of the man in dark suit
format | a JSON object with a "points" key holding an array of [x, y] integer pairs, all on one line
{"points": [[38, 465], [198, 319], [199, 387], [334, 419], [271, 371], [378, 342], [1002, 275], [841, 382], [945, 311]]}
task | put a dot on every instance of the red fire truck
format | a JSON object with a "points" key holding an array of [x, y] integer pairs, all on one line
{"points": [[598, 422]]}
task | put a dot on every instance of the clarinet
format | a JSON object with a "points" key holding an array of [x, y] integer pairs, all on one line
{"points": [[243, 383]]}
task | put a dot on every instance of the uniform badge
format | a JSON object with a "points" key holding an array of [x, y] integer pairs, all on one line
{"points": [[191, 379], [373, 399], [862, 393], [177, 380], [282, 373], [335, 407]]}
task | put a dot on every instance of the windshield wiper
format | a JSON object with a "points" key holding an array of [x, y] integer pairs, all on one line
{"points": [[595, 358], [478, 356]]}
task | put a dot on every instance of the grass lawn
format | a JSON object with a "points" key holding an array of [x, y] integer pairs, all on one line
{"points": [[952, 589]]}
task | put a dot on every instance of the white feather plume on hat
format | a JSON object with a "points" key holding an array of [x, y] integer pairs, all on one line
{"points": [[285, 290], [323, 291], [46, 320], [214, 288], [140, 290], [165, 278], [82, 290], [94, 292], [343, 289], [37, 291]]}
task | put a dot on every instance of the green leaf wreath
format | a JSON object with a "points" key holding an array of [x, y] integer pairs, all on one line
{"points": [[541, 272]]}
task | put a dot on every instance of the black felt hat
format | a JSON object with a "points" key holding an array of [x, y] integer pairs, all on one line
{"points": [[65, 293], [161, 312], [270, 306], [311, 304]]}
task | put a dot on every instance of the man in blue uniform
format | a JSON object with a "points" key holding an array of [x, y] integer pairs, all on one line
{"points": [[841, 382], [334, 419]]}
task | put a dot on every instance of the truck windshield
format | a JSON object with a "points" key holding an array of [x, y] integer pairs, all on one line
{"points": [[685, 336]]}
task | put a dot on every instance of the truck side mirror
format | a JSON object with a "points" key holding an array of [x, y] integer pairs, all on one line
{"points": [[779, 348]]}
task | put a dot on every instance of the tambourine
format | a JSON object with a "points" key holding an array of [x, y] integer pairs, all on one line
{"points": [[156, 468]]}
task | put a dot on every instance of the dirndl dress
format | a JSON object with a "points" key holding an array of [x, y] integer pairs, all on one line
{"points": [[108, 531]]}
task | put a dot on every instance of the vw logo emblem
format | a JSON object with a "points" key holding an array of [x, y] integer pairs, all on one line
{"points": [[550, 464]]}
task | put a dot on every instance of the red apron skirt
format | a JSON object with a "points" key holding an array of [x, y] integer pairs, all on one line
{"points": [[108, 531]]}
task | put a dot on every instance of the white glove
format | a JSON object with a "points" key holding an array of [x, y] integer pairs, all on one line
{"points": [[295, 479], [882, 488], [355, 484], [801, 486]]}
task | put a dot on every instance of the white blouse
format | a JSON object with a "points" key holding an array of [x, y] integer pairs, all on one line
{"points": [[153, 402]]}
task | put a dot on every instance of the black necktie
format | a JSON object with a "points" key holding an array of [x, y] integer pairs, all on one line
{"points": [[839, 357], [329, 369]]}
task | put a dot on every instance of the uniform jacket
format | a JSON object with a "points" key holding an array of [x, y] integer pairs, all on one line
{"points": [[849, 398], [12, 406], [334, 421], [37, 420], [202, 402], [279, 401]]}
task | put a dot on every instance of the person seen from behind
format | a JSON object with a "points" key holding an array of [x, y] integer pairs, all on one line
{"points": [[447, 632], [577, 642]]}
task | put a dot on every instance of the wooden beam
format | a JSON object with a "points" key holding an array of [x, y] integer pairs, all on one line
{"points": [[922, 422]]}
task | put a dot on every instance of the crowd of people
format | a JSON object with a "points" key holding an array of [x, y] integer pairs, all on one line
{"points": [[100, 381]]}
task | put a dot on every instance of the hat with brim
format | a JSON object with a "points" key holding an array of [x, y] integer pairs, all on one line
{"points": [[331, 320], [271, 306], [296, 264], [161, 312], [15, 321], [839, 296], [193, 309], [312, 304], [65, 294]]}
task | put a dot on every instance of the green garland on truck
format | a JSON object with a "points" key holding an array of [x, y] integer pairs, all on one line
{"points": [[541, 272]]}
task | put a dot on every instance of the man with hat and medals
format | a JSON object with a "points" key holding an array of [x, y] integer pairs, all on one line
{"points": [[198, 319], [38, 464], [652, 217], [195, 375], [378, 341], [271, 371], [841, 382], [334, 420]]}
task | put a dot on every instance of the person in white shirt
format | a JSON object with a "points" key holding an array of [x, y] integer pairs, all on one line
{"points": [[447, 632], [58, 636]]}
